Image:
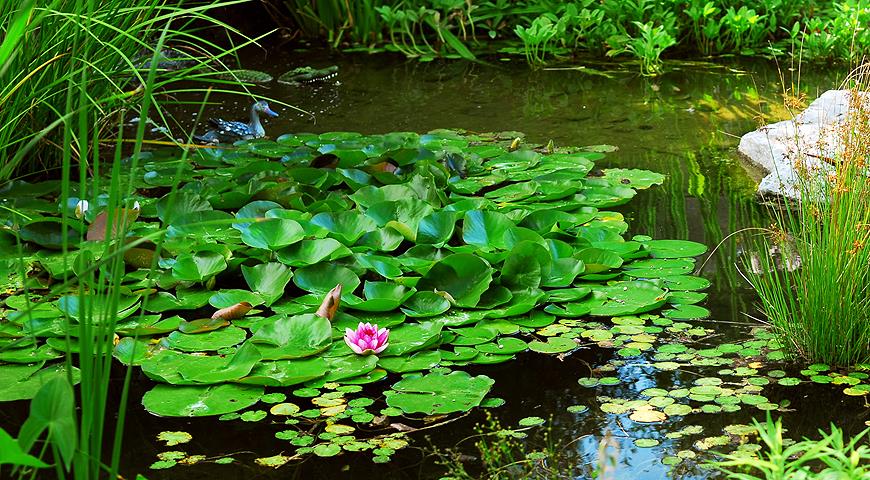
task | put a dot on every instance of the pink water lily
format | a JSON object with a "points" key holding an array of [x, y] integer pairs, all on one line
{"points": [[367, 339]]}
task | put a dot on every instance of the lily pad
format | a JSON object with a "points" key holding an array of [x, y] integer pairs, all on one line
{"points": [[438, 393], [195, 401]]}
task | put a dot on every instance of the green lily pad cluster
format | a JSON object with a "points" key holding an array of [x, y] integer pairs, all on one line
{"points": [[469, 250]]}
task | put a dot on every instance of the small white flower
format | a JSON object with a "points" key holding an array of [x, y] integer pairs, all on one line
{"points": [[81, 207]]}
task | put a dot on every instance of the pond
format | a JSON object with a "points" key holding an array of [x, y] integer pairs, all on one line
{"points": [[685, 125]]}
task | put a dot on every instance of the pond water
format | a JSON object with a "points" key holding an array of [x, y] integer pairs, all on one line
{"points": [[685, 124]]}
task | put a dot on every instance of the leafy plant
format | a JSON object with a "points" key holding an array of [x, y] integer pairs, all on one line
{"points": [[779, 460], [647, 47], [819, 310]]}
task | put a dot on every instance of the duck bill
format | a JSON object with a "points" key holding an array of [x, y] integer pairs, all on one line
{"points": [[268, 111]]}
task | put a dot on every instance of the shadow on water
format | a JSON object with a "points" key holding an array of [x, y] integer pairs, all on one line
{"points": [[685, 124]]}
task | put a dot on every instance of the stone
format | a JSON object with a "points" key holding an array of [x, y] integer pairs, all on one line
{"points": [[803, 142]]}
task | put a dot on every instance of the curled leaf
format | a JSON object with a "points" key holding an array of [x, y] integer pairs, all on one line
{"points": [[330, 303], [233, 312]]}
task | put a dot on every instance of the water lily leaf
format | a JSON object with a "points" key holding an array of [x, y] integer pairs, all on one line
{"points": [[597, 260], [438, 393], [313, 251], [659, 267], [410, 337], [199, 401], [380, 297], [182, 300], [513, 192], [686, 312], [202, 325], [387, 267], [21, 382], [283, 373], [600, 193], [425, 304], [486, 229], [568, 294], [504, 346], [675, 248], [633, 178], [267, 279], [464, 276], [198, 267], [473, 336], [272, 233], [98, 312], [630, 298], [553, 345], [321, 278], [228, 297], [253, 211], [648, 415], [346, 227], [175, 205], [419, 361], [223, 369], [208, 341], [525, 266], [350, 366], [686, 283], [293, 337], [436, 228]]}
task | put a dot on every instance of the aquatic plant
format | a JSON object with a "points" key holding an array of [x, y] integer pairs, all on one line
{"points": [[647, 47], [522, 241], [537, 29], [50, 48], [367, 339], [831, 456], [819, 311]]}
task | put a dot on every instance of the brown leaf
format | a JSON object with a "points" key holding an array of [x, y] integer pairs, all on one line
{"points": [[123, 219], [233, 312], [330, 303]]}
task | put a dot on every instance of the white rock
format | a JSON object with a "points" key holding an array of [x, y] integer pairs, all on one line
{"points": [[810, 138]]}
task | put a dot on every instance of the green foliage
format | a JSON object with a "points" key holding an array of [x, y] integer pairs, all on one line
{"points": [[782, 459], [810, 271], [459, 268], [52, 49], [544, 31]]}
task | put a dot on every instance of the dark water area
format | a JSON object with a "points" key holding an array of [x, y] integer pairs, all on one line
{"points": [[685, 124]]}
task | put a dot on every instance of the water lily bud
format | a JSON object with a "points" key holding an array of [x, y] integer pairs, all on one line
{"points": [[81, 207]]}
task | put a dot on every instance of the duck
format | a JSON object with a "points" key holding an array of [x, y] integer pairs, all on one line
{"points": [[226, 131]]}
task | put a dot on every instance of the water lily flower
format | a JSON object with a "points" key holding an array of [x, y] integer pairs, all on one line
{"points": [[82, 206], [367, 339]]}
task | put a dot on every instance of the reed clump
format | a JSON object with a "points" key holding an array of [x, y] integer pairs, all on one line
{"points": [[818, 303]]}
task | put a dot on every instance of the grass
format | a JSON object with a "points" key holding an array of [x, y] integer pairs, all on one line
{"points": [[70, 68], [830, 457], [69, 72], [820, 311]]}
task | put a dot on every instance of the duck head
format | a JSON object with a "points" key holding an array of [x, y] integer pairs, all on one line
{"points": [[263, 107]]}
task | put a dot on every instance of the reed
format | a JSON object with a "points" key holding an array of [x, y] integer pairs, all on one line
{"points": [[70, 72], [820, 311]]}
